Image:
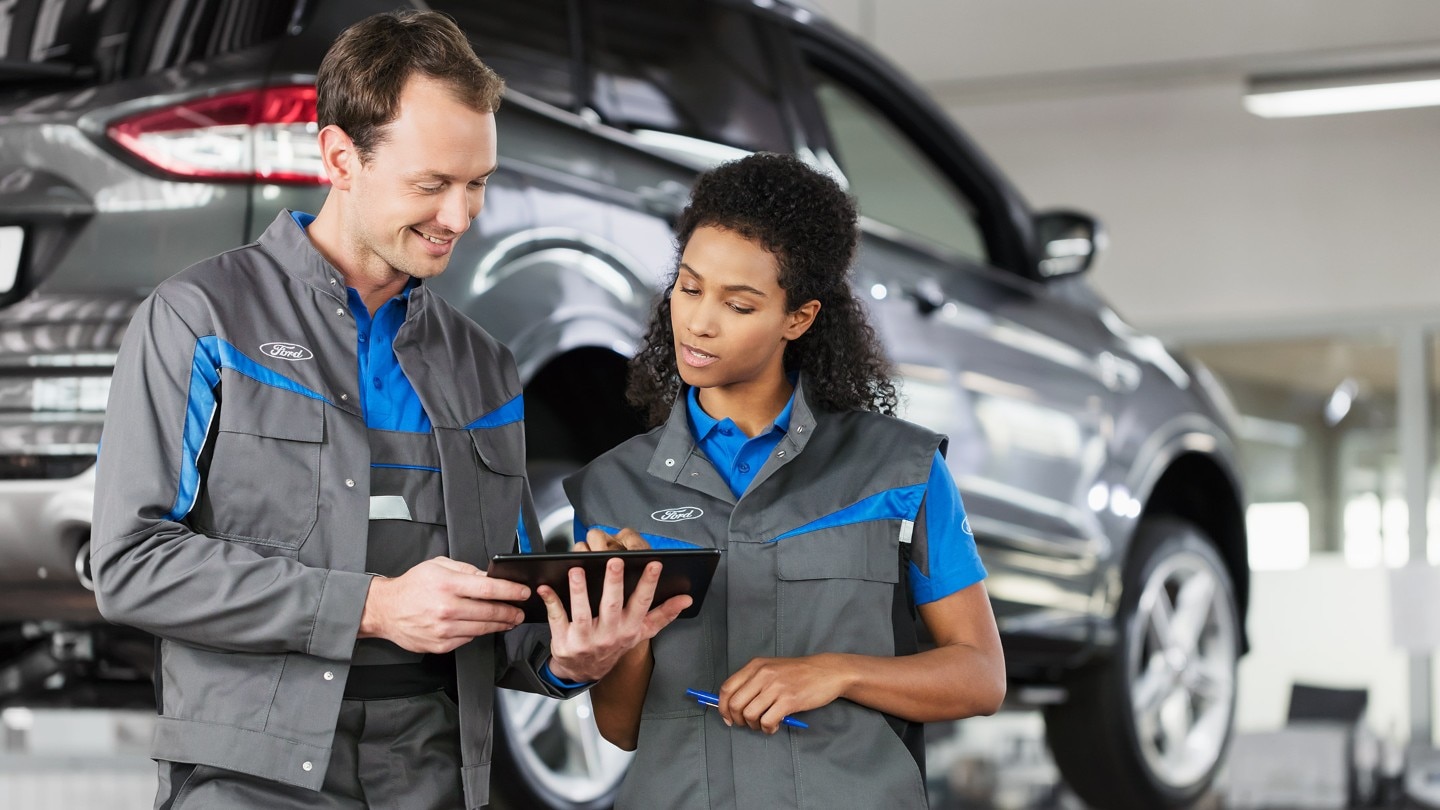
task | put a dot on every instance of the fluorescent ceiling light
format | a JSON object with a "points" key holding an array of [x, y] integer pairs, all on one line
{"points": [[1290, 98]]}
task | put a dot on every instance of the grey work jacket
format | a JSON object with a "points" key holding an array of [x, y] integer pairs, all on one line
{"points": [[811, 564], [232, 503]]}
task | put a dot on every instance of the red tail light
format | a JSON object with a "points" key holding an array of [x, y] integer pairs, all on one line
{"points": [[266, 134]]}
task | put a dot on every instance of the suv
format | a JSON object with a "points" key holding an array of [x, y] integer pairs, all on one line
{"points": [[1098, 469]]}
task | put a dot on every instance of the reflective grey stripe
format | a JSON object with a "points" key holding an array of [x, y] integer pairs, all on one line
{"points": [[389, 507]]}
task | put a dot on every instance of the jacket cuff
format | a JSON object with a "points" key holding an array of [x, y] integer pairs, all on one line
{"points": [[337, 619], [560, 683]]}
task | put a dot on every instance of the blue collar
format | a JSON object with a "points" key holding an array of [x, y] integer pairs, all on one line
{"points": [[703, 424]]}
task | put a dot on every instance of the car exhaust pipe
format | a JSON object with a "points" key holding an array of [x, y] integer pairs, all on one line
{"points": [[82, 566]]}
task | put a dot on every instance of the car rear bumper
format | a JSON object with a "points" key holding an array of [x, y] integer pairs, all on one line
{"points": [[44, 525]]}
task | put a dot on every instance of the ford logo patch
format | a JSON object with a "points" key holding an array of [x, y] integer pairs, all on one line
{"points": [[286, 351], [678, 514]]}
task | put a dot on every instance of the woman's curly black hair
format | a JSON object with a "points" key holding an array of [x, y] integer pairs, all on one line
{"points": [[810, 224]]}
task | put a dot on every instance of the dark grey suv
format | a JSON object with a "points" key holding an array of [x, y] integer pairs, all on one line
{"points": [[137, 137]]}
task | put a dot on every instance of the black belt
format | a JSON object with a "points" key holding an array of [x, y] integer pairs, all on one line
{"points": [[432, 673]]}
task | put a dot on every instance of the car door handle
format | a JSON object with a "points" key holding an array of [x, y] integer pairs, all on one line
{"points": [[665, 199], [927, 296]]}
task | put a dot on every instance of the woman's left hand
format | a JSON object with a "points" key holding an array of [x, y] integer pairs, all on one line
{"points": [[765, 690]]}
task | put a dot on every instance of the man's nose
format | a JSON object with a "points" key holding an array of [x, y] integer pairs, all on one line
{"points": [[455, 214]]}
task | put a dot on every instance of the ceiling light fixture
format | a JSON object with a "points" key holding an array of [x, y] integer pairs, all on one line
{"points": [[1295, 96]]}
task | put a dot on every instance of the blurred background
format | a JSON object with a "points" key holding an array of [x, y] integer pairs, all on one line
{"points": [[1289, 244]]}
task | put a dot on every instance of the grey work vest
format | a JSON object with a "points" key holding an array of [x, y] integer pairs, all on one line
{"points": [[236, 388], [811, 564]]}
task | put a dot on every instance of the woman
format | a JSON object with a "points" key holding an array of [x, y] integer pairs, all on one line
{"points": [[776, 441]]}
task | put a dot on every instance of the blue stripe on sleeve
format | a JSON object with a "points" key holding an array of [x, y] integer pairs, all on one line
{"points": [[901, 503], [512, 411], [953, 559], [199, 410]]}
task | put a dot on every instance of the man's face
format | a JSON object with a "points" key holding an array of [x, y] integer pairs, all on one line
{"points": [[422, 186]]}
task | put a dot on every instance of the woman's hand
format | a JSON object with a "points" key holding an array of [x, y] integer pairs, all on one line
{"points": [[765, 690], [626, 540]]}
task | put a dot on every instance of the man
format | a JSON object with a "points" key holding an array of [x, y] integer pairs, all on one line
{"points": [[304, 539]]}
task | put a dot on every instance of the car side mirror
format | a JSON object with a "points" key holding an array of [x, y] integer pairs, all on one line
{"points": [[1069, 242]]}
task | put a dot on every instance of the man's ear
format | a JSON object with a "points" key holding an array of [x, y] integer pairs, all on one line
{"points": [[340, 157], [799, 321]]}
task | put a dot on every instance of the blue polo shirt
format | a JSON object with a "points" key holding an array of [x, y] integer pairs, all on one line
{"points": [[951, 558], [387, 398]]}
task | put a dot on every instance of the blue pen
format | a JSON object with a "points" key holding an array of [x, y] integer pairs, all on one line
{"points": [[713, 701]]}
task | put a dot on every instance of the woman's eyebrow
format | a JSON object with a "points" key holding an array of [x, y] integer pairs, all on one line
{"points": [[728, 287]]}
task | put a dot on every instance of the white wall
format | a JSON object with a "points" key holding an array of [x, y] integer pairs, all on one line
{"points": [[1326, 625]]}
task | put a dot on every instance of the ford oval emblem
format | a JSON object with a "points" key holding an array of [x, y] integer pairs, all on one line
{"points": [[286, 351], [678, 514]]}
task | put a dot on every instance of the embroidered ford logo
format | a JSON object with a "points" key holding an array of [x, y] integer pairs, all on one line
{"points": [[678, 514], [286, 351]]}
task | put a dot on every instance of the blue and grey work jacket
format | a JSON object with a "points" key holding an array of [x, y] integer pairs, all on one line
{"points": [[233, 503], [812, 563]]}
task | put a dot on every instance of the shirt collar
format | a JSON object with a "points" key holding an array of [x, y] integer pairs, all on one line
{"points": [[703, 424], [286, 239]]}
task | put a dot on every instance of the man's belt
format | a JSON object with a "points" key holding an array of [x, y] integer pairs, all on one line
{"points": [[433, 673]]}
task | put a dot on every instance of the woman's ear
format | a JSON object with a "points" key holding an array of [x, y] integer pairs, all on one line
{"points": [[799, 320]]}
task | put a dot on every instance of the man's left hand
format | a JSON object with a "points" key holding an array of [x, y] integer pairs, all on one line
{"points": [[583, 646]]}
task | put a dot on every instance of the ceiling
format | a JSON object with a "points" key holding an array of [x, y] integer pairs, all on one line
{"points": [[985, 48]]}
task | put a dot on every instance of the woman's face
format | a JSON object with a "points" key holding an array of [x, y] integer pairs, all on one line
{"points": [[728, 312]]}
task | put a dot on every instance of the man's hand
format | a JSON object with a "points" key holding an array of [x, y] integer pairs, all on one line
{"points": [[765, 690], [584, 647], [439, 605]]}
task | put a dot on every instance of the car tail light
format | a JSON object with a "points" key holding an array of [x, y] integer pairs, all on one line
{"points": [[266, 134]]}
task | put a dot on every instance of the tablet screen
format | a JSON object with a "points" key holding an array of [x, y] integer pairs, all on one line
{"points": [[686, 571]]}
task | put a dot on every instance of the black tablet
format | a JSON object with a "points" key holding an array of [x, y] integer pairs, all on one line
{"points": [[686, 571]]}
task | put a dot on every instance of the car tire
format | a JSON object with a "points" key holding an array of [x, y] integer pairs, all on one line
{"points": [[548, 753], [1149, 725]]}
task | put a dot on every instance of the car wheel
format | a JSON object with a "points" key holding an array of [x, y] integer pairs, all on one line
{"points": [[1149, 725], [549, 754]]}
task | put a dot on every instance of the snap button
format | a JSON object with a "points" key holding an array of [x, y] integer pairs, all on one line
{"points": [[349, 482], [744, 468], [339, 310], [669, 462], [329, 676], [781, 454], [332, 281], [800, 429], [344, 397], [307, 766], [694, 474]]}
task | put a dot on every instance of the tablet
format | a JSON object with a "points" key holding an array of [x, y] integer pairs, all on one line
{"points": [[686, 571]]}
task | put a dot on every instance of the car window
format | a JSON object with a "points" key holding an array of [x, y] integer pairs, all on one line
{"points": [[528, 43], [894, 181], [44, 42], [687, 68]]}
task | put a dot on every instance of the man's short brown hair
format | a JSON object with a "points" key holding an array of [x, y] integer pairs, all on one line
{"points": [[359, 84]]}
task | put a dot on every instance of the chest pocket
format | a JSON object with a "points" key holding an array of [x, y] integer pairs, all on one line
{"points": [[837, 589], [502, 479], [261, 483], [501, 449]]}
